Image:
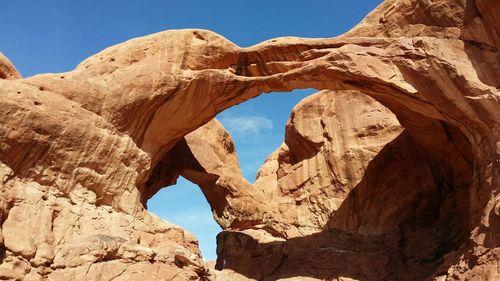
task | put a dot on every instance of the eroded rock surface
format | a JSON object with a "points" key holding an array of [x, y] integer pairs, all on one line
{"points": [[369, 198], [82, 151], [48, 236], [7, 69]]}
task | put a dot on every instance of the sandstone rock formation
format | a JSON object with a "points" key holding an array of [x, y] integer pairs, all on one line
{"points": [[7, 70], [330, 139], [366, 198], [343, 198]]}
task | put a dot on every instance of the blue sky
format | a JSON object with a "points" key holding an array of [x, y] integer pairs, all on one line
{"points": [[55, 35]]}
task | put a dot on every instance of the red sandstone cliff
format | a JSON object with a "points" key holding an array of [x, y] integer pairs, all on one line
{"points": [[349, 194]]}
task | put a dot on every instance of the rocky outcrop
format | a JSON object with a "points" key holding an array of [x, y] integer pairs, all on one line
{"points": [[7, 69], [90, 146], [330, 138], [48, 236], [370, 197]]}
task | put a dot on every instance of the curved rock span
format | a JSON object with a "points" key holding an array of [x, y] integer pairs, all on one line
{"points": [[390, 172]]}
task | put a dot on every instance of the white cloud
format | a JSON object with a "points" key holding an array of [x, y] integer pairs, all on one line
{"points": [[245, 125]]}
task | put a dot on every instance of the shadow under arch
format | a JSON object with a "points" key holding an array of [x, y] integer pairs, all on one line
{"points": [[398, 223]]}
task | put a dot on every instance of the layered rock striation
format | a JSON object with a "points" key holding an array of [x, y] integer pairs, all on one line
{"points": [[352, 193]]}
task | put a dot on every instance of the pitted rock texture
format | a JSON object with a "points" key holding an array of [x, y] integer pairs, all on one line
{"points": [[93, 144]]}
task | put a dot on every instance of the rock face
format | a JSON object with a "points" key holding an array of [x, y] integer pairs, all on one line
{"points": [[47, 236], [349, 194], [350, 186], [7, 70]]}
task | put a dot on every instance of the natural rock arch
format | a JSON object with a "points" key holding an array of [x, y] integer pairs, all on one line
{"points": [[426, 62], [357, 183]]}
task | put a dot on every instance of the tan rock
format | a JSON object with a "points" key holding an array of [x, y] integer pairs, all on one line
{"points": [[7, 69], [82, 151]]}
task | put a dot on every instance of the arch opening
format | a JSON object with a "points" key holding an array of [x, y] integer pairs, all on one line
{"points": [[408, 204], [185, 205], [257, 126], [414, 185], [256, 132]]}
